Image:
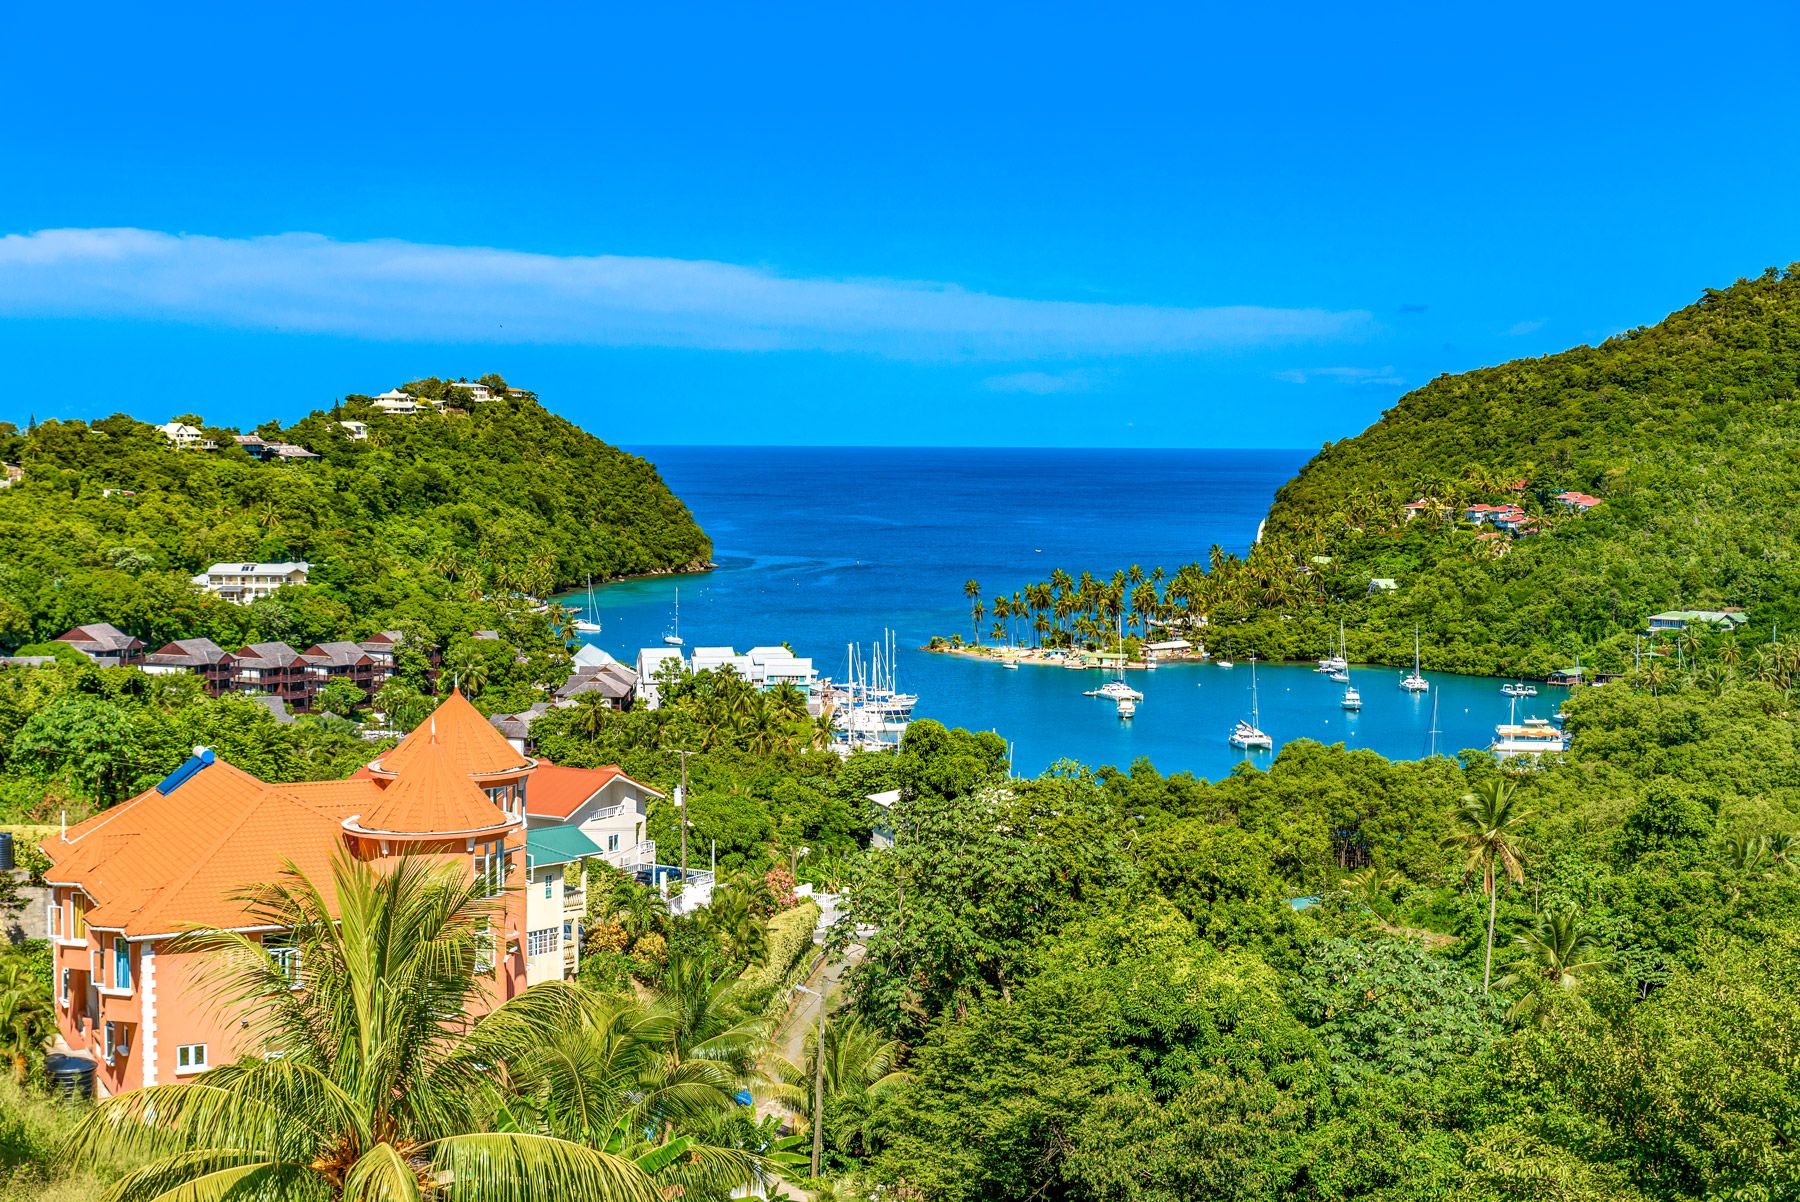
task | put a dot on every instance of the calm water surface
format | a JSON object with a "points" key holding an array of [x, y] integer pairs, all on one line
{"points": [[821, 547]]}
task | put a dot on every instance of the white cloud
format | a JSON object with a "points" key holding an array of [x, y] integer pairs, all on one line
{"points": [[1520, 329], [1372, 377], [405, 291]]}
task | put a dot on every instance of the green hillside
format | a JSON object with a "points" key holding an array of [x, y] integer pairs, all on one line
{"points": [[1688, 433], [439, 518]]}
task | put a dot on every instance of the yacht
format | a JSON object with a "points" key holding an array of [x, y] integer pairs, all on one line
{"points": [[1413, 682], [1534, 736], [673, 638], [1341, 676], [1127, 707], [1518, 690], [589, 621], [1352, 698], [1249, 735], [1116, 689]]}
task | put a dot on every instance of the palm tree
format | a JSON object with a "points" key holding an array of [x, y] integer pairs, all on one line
{"points": [[373, 1080], [609, 1082], [972, 591], [1564, 954], [27, 1019], [589, 716], [860, 1063], [1487, 831], [711, 1017]]}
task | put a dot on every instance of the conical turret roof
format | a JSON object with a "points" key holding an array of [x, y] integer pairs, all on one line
{"points": [[474, 746], [431, 795]]}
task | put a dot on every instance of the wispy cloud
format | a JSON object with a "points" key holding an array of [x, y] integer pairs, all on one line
{"points": [[1522, 328], [391, 290], [1041, 383], [1367, 377]]}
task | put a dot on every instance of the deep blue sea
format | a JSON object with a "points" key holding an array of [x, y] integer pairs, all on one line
{"points": [[822, 547]]}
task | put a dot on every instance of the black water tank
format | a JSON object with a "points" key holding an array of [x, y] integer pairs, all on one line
{"points": [[6, 854], [71, 1077]]}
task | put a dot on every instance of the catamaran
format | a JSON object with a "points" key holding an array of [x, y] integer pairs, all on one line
{"points": [[1249, 735], [673, 638], [589, 621], [1412, 682], [1116, 689]]}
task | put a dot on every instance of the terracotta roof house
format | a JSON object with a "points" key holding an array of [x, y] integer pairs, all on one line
{"points": [[1577, 500], [605, 804], [127, 882], [203, 657], [104, 643]]}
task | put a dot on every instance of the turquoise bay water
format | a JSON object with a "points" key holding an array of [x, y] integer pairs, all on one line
{"points": [[821, 547]]}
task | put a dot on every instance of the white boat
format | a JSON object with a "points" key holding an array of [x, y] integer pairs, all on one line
{"points": [[1413, 682], [1127, 707], [673, 638], [589, 621], [1224, 663], [1519, 690], [1339, 677], [1011, 665], [1116, 689], [1534, 736], [1249, 735], [1352, 698], [1336, 661]]}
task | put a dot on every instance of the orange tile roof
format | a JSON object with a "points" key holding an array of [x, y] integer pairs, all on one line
{"points": [[160, 864], [557, 791], [476, 748], [432, 794]]}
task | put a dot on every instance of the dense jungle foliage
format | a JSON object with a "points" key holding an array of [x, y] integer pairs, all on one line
{"points": [[1685, 431], [1116, 984], [444, 518]]}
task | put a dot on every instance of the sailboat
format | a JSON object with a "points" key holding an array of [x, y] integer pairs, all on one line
{"points": [[1116, 689], [673, 638], [1335, 663], [589, 621], [1412, 682], [1249, 735]]}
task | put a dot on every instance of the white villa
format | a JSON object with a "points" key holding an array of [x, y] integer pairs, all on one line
{"points": [[186, 438], [397, 402], [243, 583], [649, 662], [356, 430]]}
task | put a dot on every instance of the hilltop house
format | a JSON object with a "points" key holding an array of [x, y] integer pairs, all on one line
{"points": [[184, 437], [396, 402], [105, 644], [127, 882], [242, 583]]}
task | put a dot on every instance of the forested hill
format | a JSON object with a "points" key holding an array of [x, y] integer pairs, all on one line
{"points": [[438, 517], [1688, 433]]}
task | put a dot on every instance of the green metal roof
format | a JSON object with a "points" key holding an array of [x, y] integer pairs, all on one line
{"points": [[558, 844]]}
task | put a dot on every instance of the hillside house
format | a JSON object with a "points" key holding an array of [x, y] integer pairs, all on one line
{"points": [[105, 644], [242, 583], [276, 669], [356, 431], [401, 404], [202, 657], [1676, 620], [1578, 501], [603, 803], [650, 662], [345, 661]]}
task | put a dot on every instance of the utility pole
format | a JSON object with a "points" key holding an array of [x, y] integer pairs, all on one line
{"points": [[822, 993], [681, 810]]}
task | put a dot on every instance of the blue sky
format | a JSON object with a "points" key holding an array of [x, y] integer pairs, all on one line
{"points": [[1028, 225]]}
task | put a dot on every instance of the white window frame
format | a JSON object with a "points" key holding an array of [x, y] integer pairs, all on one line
{"points": [[121, 955], [546, 941], [489, 862], [62, 980], [187, 1062]]}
